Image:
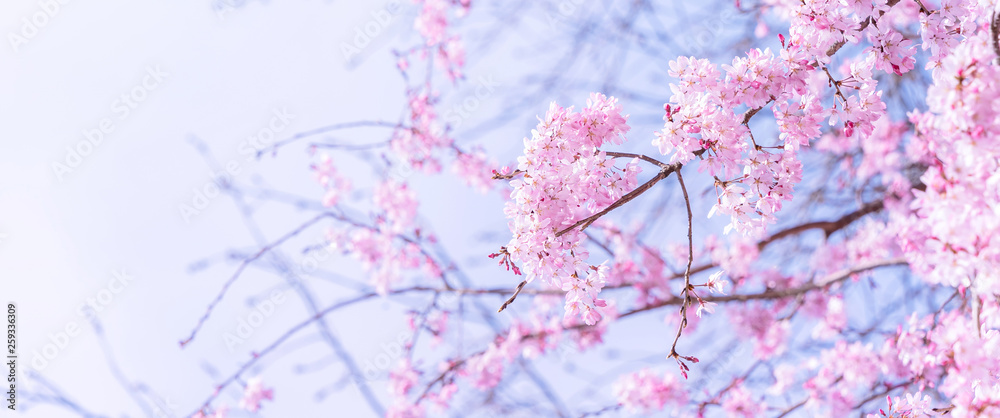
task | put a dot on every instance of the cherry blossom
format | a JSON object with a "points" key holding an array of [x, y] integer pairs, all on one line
{"points": [[254, 394]]}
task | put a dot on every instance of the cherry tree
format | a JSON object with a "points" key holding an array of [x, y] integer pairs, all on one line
{"points": [[810, 230]]}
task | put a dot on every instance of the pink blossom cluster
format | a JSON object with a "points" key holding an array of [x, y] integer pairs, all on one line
{"points": [[963, 355], [946, 27], [417, 143], [910, 406], [699, 121], [845, 373], [336, 186], [565, 178], [432, 24], [952, 237], [475, 169], [862, 160], [389, 248], [530, 338], [741, 402], [383, 257], [403, 383], [398, 202], [703, 117], [760, 323], [254, 394], [220, 412], [644, 391], [637, 265]]}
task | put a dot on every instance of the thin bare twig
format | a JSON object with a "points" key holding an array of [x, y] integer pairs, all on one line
{"points": [[517, 291], [239, 270], [651, 160], [687, 271], [995, 32], [584, 223], [330, 128]]}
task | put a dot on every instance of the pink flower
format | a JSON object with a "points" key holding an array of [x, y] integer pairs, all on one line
{"points": [[254, 393], [715, 283], [644, 392], [567, 178], [739, 402], [705, 306]]}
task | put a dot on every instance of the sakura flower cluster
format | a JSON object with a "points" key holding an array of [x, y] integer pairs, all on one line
{"points": [[388, 248], [432, 24], [565, 179], [416, 144], [336, 186], [963, 355], [951, 236], [644, 391], [699, 121], [254, 394]]}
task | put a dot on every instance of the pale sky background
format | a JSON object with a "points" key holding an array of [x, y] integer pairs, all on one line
{"points": [[118, 210]]}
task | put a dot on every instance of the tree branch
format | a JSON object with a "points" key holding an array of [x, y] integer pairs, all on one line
{"points": [[239, 270], [584, 223], [687, 271], [995, 32]]}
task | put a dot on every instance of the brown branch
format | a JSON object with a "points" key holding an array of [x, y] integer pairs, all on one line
{"points": [[498, 176], [687, 271], [239, 270], [584, 223], [750, 113], [769, 294], [665, 170], [792, 408], [652, 160], [334, 127], [514, 296], [828, 227], [829, 280], [995, 32]]}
